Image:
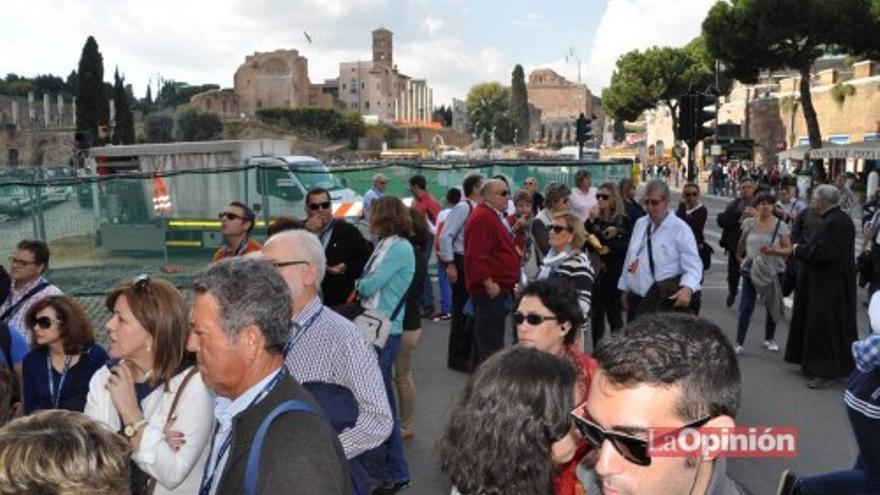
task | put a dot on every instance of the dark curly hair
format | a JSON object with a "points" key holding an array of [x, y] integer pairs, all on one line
{"points": [[517, 405], [560, 296], [75, 329], [667, 349]]}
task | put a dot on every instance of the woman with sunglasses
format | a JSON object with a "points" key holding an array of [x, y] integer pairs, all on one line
{"points": [[547, 319], [567, 260], [517, 404], [612, 227], [694, 213], [151, 391], [63, 358], [558, 200]]}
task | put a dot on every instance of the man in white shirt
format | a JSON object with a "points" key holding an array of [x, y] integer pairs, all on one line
{"points": [[583, 196], [662, 247]]}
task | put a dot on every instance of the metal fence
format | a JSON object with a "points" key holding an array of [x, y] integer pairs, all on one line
{"points": [[102, 229]]}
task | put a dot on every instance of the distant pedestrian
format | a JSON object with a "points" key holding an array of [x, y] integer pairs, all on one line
{"points": [[823, 320], [427, 204], [583, 196], [452, 259], [627, 190], [694, 213], [380, 182], [236, 223], [847, 199], [453, 196], [730, 220], [530, 185]]}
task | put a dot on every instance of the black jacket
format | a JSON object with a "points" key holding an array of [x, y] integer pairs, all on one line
{"points": [[301, 453], [728, 220], [347, 245]]}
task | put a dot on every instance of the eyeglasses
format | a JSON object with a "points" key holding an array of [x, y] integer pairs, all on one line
{"points": [[21, 262], [690, 194], [141, 283], [503, 193], [653, 202], [558, 229], [320, 206], [603, 196], [631, 448], [282, 264], [229, 215], [531, 318], [45, 322], [528, 183]]}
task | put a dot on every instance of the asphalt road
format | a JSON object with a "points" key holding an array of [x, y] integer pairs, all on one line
{"points": [[774, 394]]}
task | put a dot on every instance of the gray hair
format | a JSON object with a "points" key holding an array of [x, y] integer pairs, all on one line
{"points": [[657, 185], [308, 248], [555, 192], [248, 292], [487, 186], [827, 194], [379, 177]]}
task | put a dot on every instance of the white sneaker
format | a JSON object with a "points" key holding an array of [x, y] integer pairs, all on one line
{"points": [[737, 349], [771, 346]]}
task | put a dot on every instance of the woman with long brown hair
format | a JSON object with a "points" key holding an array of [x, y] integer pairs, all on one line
{"points": [[151, 391], [63, 358]]}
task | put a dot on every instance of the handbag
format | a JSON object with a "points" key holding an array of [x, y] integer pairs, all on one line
{"points": [[374, 325], [657, 298]]}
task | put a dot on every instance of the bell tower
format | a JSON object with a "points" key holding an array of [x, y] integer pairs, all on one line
{"points": [[383, 47]]}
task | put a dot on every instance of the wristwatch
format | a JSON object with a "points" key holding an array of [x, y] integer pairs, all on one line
{"points": [[132, 429]]}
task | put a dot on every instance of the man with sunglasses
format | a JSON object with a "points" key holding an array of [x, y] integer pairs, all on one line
{"points": [[491, 269], [346, 249], [662, 269], [380, 182], [661, 374], [28, 264], [236, 223]]}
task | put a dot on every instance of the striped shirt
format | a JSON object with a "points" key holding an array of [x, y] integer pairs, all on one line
{"points": [[333, 350], [577, 269]]}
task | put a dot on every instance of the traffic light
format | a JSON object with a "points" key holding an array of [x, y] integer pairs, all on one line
{"points": [[705, 112], [583, 130], [686, 119]]}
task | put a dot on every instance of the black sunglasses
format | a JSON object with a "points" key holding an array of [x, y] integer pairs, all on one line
{"points": [[531, 318], [231, 216], [503, 193], [282, 264], [44, 322], [690, 194], [558, 229], [141, 283], [320, 206], [603, 196], [653, 202], [634, 449]]}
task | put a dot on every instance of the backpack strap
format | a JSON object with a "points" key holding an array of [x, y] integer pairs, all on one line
{"points": [[12, 309], [252, 471]]}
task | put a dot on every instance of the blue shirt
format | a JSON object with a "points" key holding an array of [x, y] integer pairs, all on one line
{"points": [[371, 195], [75, 388], [17, 348]]}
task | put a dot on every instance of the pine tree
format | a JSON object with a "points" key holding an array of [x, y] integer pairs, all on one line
{"points": [[519, 104], [123, 131], [92, 107]]}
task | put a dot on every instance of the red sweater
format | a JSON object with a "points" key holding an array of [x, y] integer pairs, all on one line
{"points": [[488, 252]]}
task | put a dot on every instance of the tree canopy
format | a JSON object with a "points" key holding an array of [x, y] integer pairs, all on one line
{"points": [[92, 108], [519, 104], [123, 130], [657, 76], [749, 36], [174, 94], [488, 107]]}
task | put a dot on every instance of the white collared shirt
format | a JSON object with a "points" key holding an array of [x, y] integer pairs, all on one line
{"points": [[675, 253], [225, 410]]}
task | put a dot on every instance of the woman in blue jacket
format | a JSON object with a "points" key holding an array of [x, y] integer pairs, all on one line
{"points": [[383, 287]]}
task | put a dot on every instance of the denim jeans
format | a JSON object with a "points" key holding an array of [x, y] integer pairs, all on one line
{"points": [[428, 291], [387, 460], [864, 477], [445, 289], [747, 301]]}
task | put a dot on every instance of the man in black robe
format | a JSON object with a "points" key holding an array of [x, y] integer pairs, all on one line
{"points": [[823, 322]]}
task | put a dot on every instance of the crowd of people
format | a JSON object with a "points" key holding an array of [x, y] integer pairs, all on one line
{"points": [[292, 365]]}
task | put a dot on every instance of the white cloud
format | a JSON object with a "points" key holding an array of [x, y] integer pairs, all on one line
{"points": [[531, 20], [434, 26], [639, 24]]}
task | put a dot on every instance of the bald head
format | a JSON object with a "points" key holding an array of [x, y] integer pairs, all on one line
{"points": [[302, 260], [495, 193]]}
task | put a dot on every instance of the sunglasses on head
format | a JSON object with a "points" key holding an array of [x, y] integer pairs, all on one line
{"points": [[229, 215], [320, 206], [634, 449], [558, 229], [45, 322], [603, 196], [533, 319], [141, 283]]}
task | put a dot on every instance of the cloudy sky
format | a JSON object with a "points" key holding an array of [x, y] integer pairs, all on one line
{"points": [[452, 43]]}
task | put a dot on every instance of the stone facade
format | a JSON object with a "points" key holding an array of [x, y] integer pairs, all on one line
{"points": [[37, 147], [31, 112], [560, 102], [223, 102], [275, 79]]}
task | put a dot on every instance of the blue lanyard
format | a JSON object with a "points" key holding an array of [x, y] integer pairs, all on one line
{"points": [[208, 479], [302, 331], [56, 395]]}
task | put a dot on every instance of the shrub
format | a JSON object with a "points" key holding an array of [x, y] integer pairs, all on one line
{"points": [[159, 128], [324, 122], [194, 125]]}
